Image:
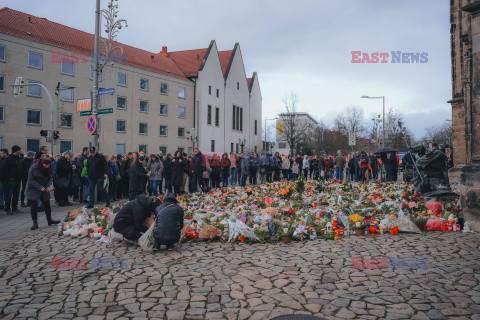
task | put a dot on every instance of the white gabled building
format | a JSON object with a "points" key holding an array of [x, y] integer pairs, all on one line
{"points": [[228, 106]]}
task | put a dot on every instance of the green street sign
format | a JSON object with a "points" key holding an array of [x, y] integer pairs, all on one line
{"points": [[388, 140], [105, 111], [100, 111]]}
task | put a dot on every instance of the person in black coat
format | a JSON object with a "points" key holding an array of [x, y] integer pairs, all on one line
{"points": [[12, 172], [26, 164], [178, 168], [97, 169], [130, 220], [39, 185], [138, 177], [169, 222], [63, 178]]}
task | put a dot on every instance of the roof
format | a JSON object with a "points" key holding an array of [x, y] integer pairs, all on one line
{"points": [[249, 81], [189, 61], [225, 57], [26, 26]]}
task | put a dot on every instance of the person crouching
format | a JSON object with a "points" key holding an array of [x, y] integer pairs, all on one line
{"points": [[169, 217], [130, 220]]}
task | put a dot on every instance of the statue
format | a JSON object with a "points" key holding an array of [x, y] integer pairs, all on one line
{"points": [[432, 178]]}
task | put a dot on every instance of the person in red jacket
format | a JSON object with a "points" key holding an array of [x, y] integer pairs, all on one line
{"points": [[225, 165]]}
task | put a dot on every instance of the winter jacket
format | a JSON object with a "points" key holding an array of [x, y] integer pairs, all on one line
{"points": [[36, 181], [97, 167], [134, 213], [169, 220], [225, 165], [198, 163], [285, 163], [340, 161], [64, 168], [306, 164], [178, 167], [12, 168], [26, 164], [113, 169], [138, 178], [156, 169], [254, 161]]}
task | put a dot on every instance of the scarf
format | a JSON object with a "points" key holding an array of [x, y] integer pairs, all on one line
{"points": [[45, 171]]}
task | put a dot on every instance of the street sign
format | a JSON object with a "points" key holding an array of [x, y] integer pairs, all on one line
{"points": [[388, 140], [100, 111], [105, 111], [352, 139], [91, 125], [110, 91], [84, 105]]}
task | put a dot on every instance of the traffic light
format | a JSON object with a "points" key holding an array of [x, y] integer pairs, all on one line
{"points": [[280, 127], [16, 88], [56, 134], [44, 133]]}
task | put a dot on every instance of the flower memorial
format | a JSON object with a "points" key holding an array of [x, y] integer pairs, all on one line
{"points": [[292, 211]]}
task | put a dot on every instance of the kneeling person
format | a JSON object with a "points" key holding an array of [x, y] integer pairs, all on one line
{"points": [[130, 220], [169, 222]]}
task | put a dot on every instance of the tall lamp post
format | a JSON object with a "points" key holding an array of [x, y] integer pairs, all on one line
{"points": [[383, 116], [242, 144]]}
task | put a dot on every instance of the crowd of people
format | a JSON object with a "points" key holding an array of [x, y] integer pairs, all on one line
{"points": [[89, 176]]}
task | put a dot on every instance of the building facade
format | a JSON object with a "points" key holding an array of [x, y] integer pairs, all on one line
{"points": [[297, 124], [152, 105], [228, 105], [465, 58]]}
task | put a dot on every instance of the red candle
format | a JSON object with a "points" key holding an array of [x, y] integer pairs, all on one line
{"points": [[372, 230], [444, 227], [396, 230], [458, 228], [341, 231], [334, 223], [392, 231], [450, 227]]}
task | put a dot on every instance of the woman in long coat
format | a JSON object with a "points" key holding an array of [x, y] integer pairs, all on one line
{"points": [[178, 167], [138, 178], [39, 185], [63, 178]]}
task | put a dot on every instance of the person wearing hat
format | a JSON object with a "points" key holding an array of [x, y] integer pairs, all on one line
{"points": [[97, 171], [130, 221], [39, 185], [13, 174], [26, 164], [169, 222]]}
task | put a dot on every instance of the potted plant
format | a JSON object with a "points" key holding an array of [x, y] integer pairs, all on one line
{"points": [[286, 233], [359, 227]]}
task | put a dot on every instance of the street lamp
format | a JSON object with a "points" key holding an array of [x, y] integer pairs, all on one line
{"points": [[242, 144], [383, 117]]}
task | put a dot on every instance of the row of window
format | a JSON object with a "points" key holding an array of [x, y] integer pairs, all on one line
{"points": [[66, 93], [143, 129], [120, 149], [233, 147]]}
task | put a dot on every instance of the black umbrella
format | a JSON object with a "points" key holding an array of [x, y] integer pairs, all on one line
{"points": [[385, 150]]}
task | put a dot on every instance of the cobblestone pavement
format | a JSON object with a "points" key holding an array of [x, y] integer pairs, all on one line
{"points": [[260, 281]]}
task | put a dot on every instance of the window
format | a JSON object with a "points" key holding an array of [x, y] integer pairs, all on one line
{"points": [[2, 53], [236, 148], [66, 120], [181, 149], [1, 142], [256, 127], [120, 148], [143, 84], [237, 118], [209, 89], [218, 93], [33, 145], [255, 149], [231, 147], [209, 115], [66, 94], [34, 117], [121, 79], [142, 148], [143, 128], [181, 132], [181, 112], [164, 88], [67, 68], [217, 117], [35, 60], [121, 124], [35, 91], [2, 83], [143, 106], [65, 145], [121, 103], [2, 113], [163, 109], [212, 145], [92, 72], [238, 85], [282, 145], [181, 92], [163, 131], [163, 150]]}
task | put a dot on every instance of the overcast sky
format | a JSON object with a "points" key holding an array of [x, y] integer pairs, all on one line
{"points": [[303, 46]]}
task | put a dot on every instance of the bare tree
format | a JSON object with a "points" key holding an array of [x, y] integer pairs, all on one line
{"points": [[441, 134], [351, 120], [294, 131]]}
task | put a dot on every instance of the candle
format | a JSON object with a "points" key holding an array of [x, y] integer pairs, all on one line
{"points": [[392, 231]]}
